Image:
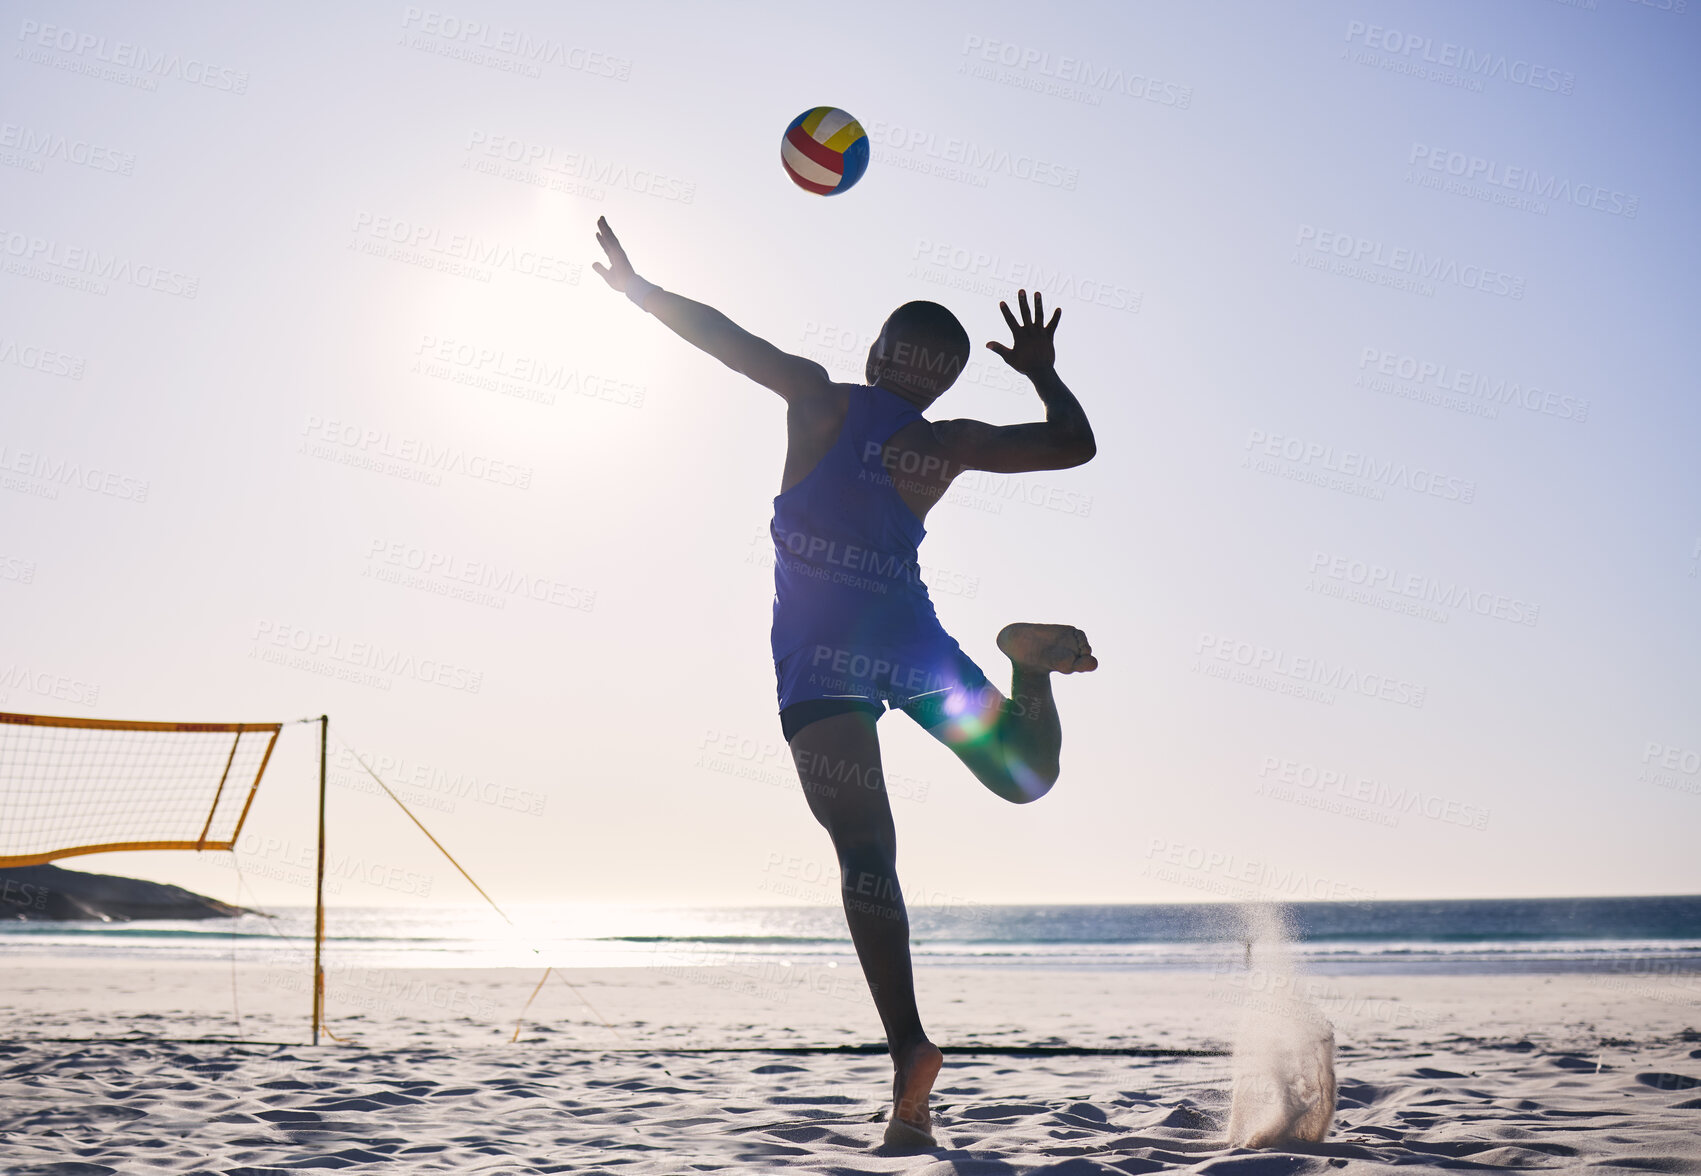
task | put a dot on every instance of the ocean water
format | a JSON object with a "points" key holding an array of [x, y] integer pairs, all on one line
{"points": [[1650, 935]]}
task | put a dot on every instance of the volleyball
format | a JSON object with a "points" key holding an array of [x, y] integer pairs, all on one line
{"points": [[824, 151]]}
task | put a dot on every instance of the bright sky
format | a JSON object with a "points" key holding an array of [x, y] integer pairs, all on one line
{"points": [[1383, 314]]}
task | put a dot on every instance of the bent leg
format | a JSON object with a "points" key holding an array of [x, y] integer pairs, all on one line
{"points": [[1013, 745], [838, 761]]}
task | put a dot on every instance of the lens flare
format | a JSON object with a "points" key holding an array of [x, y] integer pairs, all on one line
{"points": [[969, 718]]}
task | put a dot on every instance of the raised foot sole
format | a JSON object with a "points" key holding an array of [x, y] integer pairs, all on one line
{"points": [[1056, 649]]}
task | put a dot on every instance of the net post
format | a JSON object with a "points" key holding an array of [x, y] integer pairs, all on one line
{"points": [[319, 893]]}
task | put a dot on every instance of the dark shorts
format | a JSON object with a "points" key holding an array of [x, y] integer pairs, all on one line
{"points": [[930, 699], [799, 715]]}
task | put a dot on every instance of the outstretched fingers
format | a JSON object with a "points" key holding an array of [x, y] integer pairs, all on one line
{"points": [[610, 243], [1030, 347], [618, 266], [1034, 320]]}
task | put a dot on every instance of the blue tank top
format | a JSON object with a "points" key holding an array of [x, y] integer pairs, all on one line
{"points": [[845, 567]]}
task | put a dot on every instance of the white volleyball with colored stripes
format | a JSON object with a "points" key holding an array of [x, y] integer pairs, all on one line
{"points": [[824, 151]]}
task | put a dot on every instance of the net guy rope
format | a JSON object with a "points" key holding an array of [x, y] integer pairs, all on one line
{"points": [[547, 972]]}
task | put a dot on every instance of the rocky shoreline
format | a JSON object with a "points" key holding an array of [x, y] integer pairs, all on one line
{"points": [[51, 894]]}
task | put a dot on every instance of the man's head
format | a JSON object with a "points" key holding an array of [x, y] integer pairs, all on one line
{"points": [[920, 352]]}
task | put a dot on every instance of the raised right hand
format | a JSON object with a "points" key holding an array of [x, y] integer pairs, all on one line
{"points": [[1031, 351], [618, 272]]}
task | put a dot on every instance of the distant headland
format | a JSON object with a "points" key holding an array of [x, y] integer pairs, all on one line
{"points": [[48, 893]]}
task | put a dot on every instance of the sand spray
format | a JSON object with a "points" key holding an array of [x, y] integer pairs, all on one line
{"points": [[1284, 1048]]}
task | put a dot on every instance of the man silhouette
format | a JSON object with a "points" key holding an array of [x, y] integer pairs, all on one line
{"points": [[854, 630]]}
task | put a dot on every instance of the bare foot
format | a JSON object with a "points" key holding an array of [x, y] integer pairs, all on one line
{"points": [[1060, 649], [911, 1125]]}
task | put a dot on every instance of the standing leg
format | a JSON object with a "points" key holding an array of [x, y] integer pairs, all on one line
{"points": [[838, 760]]}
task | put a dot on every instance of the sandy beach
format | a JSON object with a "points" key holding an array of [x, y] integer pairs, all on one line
{"points": [[1551, 1071], [475, 475]]}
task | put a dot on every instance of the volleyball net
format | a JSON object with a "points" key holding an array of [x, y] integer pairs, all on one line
{"points": [[72, 786]]}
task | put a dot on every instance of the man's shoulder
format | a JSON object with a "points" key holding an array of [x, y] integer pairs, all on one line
{"points": [[813, 422], [959, 429]]}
